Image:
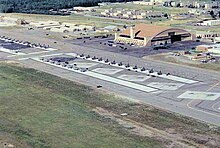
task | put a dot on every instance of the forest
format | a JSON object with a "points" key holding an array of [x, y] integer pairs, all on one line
{"points": [[43, 6]]}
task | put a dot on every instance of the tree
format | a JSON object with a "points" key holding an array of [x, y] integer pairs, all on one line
{"points": [[212, 14]]}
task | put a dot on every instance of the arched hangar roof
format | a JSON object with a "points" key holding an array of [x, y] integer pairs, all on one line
{"points": [[149, 30]]}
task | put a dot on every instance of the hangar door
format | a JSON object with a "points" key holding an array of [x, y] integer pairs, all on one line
{"points": [[173, 37]]}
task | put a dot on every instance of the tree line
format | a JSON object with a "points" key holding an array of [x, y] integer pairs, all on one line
{"points": [[43, 6]]}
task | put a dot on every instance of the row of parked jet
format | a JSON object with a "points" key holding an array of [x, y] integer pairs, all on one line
{"points": [[135, 68], [120, 64], [63, 64], [26, 43]]}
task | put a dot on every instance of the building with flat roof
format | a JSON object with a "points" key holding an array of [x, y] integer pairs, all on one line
{"points": [[214, 48], [209, 23], [148, 35], [206, 34]]}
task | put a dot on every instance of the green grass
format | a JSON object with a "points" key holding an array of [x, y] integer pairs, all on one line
{"points": [[209, 66], [73, 18], [46, 111]]}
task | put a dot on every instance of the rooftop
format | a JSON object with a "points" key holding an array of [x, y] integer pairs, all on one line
{"points": [[145, 30]]}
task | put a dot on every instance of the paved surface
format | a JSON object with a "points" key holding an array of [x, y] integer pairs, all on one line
{"points": [[108, 44], [184, 98]]}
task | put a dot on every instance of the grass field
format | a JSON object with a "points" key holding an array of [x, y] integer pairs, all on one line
{"points": [[167, 58], [41, 110], [34, 109], [73, 18]]}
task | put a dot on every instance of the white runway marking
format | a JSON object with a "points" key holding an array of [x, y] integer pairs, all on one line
{"points": [[71, 54], [166, 86], [178, 79], [21, 59], [134, 78], [56, 54], [50, 49], [121, 82], [109, 71], [106, 78], [39, 52], [196, 95], [84, 64]]}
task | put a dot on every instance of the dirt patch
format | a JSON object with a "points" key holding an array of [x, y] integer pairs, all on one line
{"points": [[170, 139], [7, 141]]}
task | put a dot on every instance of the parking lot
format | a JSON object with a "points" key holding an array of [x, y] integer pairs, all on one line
{"points": [[108, 44]]}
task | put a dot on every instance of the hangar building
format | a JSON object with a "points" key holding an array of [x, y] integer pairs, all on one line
{"points": [[148, 35]]}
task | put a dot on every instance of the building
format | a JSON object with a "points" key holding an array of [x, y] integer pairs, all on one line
{"points": [[91, 9], [148, 35], [214, 48], [216, 40], [150, 2], [203, 48], [206, 35], [207, 6], [130, 14], [209, 23]]}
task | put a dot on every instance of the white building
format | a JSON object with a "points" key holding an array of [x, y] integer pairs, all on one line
{"points": [[84, 8], [214, 49], [209, 23], [207, 6]]}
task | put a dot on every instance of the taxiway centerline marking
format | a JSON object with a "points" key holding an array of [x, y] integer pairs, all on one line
{"points": [[213, 86], [188, 105]]}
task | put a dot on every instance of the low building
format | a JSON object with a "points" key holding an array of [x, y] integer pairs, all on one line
{"points": [[129, 14], [207, 6], [216, 40], [209, 23], [148, 35], [84, 9], [206, 35], [139, 17], [214, 48], [203, 48], [149, 2]]}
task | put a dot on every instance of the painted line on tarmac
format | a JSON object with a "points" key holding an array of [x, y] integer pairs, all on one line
{"points": [[22, 59], [215, 104], [50, 49], [213, 86], [188, 105], [48, 55], [38, 52]]}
